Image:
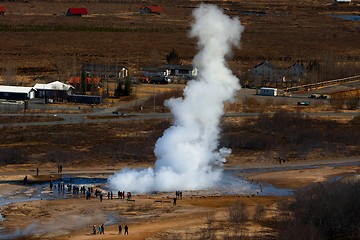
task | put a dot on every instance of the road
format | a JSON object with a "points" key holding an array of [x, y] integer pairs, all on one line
{"points": [[82, 118]]}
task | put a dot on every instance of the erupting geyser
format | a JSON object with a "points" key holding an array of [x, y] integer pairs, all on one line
{"points": [[188, 154]]}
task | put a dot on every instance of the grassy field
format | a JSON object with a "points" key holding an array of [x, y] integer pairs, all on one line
{"points": [[39, 43]]}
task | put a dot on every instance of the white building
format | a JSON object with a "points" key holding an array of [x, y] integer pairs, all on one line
{"points": [[56, 90], [342, 1], [264, 91], [16, 93]]}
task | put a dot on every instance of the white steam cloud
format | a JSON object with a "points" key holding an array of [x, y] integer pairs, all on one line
{"points": [[188, 154]]}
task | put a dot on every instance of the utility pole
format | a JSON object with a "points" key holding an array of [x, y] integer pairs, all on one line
{"points": [[154, 97]]}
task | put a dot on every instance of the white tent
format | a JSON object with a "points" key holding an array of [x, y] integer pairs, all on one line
{"points": [[53, 86]]}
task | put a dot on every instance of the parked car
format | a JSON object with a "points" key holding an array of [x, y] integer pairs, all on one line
{"points": [[119, 113], [315, 95], [303, 103]]}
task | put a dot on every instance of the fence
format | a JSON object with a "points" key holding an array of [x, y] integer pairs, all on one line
{"points": [[310, 86]]}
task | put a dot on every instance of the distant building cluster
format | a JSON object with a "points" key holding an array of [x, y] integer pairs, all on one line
{"points": [[81, 11], [91, 78]]}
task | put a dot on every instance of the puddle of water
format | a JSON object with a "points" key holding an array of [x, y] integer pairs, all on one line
{"points": [[287, 168], [347, 17], [42, 191], [82, 181], [252, 13]]}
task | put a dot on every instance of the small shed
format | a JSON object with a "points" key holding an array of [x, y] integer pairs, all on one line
{"points": [[2, 10], [57, 91], [265, 91], [17, 93], [78, 12], [155, 9]]}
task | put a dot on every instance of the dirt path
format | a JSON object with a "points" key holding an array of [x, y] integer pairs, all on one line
{"points": [[148, 229]]}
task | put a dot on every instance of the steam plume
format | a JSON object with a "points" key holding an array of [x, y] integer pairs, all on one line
{"points": [[188, 154]]}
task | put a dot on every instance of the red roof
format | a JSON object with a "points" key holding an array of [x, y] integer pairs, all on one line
{"points": [[153, 8], [76, 80], [77, 11], [2, 9]]}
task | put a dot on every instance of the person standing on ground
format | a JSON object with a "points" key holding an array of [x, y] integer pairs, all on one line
{"points": [[94, 229], [126, 230], [37, 171], [174, 201], [102, 229], [120, 229]]}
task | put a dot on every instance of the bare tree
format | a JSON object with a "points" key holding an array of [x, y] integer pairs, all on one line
{"points": [[155, 59], [352, 102], [238, 217], [209, 232], [259, 213]]}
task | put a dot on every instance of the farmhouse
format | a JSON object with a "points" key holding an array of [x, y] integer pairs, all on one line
{"points": [[264, 91], [2, 10], [17, 93], [76, 12], [152, 9], [105, 71], [265, 72], [187, 71], [56, 91], [154, 75], [294, 73]]}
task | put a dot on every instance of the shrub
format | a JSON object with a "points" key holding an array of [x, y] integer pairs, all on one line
{"points": [[331, 208], [12, 156], [352, 103]]}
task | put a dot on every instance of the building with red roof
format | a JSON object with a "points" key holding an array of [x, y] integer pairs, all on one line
{"points": [[2, 10], [76, 12], [156, 9]]}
